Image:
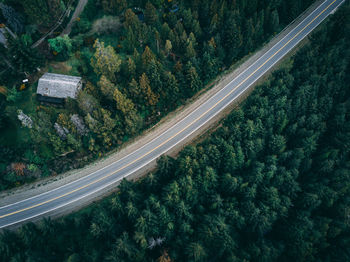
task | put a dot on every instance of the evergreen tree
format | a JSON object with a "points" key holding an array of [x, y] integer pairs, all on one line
{"points": [[147, 57], [13, 19], [192, 79], [42, 12], [124, 104], [135, 91], [232, 38], [22, 56], [107, 87], [274, 21], [61, 45], [105, 60], [151, 98], [151, 16]]}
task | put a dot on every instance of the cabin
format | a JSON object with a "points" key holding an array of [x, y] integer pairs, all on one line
{"points": [[55, 88]]}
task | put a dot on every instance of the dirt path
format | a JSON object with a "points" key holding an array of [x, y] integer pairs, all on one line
{"points": [[45, 185], [77, 12]]}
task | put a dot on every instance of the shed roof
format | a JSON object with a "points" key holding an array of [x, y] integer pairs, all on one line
{"points": [[60, 86]]}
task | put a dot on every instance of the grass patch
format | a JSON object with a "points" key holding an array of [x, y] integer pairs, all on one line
{"points": [[69, 67], [13, 134]]}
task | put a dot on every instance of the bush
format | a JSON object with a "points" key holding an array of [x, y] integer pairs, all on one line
{"points": [[106, 25], [81, 27], [61, 46], [84, 24]]}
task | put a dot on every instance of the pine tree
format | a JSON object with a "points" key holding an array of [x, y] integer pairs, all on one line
{"points": [[190, 52], [192, 78], [131, 66], [151, 16], [113, 6], [196, 252], [124, 104], [210, 65], [168, 47], [171, 87], [232, 38], [21, 55], [154, 73], [131, 19], [151, 98], [214, 24], [42, 12], [107, 87], [274, 21], [250, 35], [130, 40], [135, 90], [147, 57], [13, 19], [164, 32], [105, 61]]}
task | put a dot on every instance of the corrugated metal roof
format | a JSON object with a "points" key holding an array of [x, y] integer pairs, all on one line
{"points": [[60, 86]]}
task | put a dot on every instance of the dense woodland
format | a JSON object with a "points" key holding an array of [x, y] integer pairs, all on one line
{"points": [[140, 59], [271, 184]]}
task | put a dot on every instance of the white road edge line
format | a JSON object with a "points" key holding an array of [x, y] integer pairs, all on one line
{"points": [[118, 179], [211, 98]]}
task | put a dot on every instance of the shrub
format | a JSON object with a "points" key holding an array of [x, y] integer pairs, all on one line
{"points": [[106, 25]]}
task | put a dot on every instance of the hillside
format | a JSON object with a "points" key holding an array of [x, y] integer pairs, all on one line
{"points": [[140, 60], [271, 184]]}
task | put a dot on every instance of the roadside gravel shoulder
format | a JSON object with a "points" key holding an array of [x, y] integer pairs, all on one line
{"points": [[29, 190]]}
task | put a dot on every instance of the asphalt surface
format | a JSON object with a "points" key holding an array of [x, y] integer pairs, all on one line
{"points": [[64, 196]]}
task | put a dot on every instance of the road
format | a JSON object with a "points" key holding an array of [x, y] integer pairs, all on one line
{"points": [[63, 197]]}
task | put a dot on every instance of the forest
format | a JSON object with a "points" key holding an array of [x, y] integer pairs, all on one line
{"points": [[140, 60], [272, 183]]}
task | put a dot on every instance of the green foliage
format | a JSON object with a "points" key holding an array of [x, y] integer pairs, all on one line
{"points": [[270, 184], [2, 110], [193, 80], [61, 45], [150, 57], [107, 87], [105, 60], [151, 16], [106, 25], [12, 95], [21, 56], [123, 104], [42, 12], [13, 19]]}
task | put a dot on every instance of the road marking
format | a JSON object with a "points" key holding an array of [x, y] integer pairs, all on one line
{"points": [[198, 118], [177, 123]]}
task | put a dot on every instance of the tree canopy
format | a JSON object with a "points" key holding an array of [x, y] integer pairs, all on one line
{"points": [[271, 183]]}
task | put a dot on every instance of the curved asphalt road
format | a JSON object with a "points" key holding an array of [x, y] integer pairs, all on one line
{"points": [[65, 195]]}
